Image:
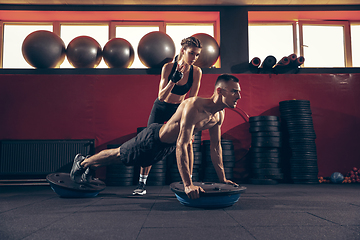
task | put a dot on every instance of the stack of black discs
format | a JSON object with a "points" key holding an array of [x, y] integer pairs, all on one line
{"points": [[209, 173], [119, 174], [174, 172], [299, 130], [157, 175], [265, 149]]}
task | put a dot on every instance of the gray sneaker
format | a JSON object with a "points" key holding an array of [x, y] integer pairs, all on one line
{"points": [[88, 176], [77, 170], [140, 190]]}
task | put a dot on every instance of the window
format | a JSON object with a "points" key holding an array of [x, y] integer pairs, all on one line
{"points": [[180, 31], [14, 35], [70, 31], [323, 45], [271, 39], [355, 44], [133, 35], [101, 32]]}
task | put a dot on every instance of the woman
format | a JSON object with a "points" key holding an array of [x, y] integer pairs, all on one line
{"points": [[177, 79]]}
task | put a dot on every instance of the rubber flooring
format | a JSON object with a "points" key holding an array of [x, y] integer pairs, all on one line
{"points": [[266, 212]]}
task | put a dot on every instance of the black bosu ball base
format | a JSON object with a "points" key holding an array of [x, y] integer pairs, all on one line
{"points": [[62, 185]]}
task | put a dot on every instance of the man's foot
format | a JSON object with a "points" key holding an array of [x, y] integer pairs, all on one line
{"points": [[88, 176], [77, 170], [140, 190]]}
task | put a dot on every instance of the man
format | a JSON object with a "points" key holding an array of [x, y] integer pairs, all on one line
{"points": [[157, 141]]}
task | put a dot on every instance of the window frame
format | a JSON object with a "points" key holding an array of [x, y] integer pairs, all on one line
{"points": [[346, 37], [2, 33], [352, 23], [112, 28], [293, 23]]}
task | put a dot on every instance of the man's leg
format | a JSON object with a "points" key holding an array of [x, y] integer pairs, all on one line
{"points": [[144, 173], [84, 167]]}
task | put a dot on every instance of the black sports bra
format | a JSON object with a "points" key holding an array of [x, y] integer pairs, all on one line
{"points": [[182, 89]]}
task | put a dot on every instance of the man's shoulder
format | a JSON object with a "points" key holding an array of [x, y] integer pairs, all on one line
{"points": [[195, 100]]}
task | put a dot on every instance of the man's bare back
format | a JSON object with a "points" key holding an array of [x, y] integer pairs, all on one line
{"points": [[197, 118]]}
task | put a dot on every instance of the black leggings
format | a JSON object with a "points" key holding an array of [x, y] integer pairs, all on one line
{"points": [[161, 112]]}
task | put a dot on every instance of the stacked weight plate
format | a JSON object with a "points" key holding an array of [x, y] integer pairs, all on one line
{"points": [[174, 172], [119, 174], [209, 173], [157, 175], [265, 149], [299, 130]]}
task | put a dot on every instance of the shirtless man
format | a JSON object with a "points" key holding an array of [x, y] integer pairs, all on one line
{"points": [[157, 141]]}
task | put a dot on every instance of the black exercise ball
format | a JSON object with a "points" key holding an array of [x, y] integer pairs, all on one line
{"points": [[84, 52], [118, 53], [43, 49], [155, 49], [210, 50]]}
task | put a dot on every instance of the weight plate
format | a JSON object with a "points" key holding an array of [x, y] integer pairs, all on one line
{"points": [[157, 174], [307, 176], [265, 171], [265, 155], [264, 150], [263, 118], [271, 144], [268, 176], [314, 181], [264, 129], [227, 146], [294, 101], [265, 160], [265, 165], [265, 139], [229, 164], [266, 134], [120, 171], [265, 123], [115, 175], [157, 170]]}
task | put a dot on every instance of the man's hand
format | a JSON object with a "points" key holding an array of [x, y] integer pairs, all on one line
{"points": [[193, 192], [231, 182]]}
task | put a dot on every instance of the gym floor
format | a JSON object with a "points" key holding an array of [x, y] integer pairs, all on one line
{"points": [[283, 211]]}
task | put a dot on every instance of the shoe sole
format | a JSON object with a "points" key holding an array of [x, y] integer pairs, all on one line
{"points": [[142, 193]]}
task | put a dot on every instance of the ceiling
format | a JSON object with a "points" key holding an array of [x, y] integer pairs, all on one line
{"points": [[185, 2]]}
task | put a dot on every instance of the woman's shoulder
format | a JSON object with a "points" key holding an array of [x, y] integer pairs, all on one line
{"points": [[197, 69]]}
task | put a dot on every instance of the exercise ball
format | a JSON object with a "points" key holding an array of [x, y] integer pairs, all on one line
{"points": [[210, 50], [84, 52], [43, 49], [337, 177], [118, 53], [155, 49]]}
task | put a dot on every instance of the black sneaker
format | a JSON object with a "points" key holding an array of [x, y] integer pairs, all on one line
{"points": [[77, 170], [88, 176], [140, 190]]}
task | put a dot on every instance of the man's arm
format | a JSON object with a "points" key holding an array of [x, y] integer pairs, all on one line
{"points": [[216, 150], [183, 144]]}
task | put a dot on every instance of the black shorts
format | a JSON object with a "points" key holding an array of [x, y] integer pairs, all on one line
{"points": [[145, 149]]}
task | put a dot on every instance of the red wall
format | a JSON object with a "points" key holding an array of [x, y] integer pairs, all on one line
{"points": [[109, 108]]}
